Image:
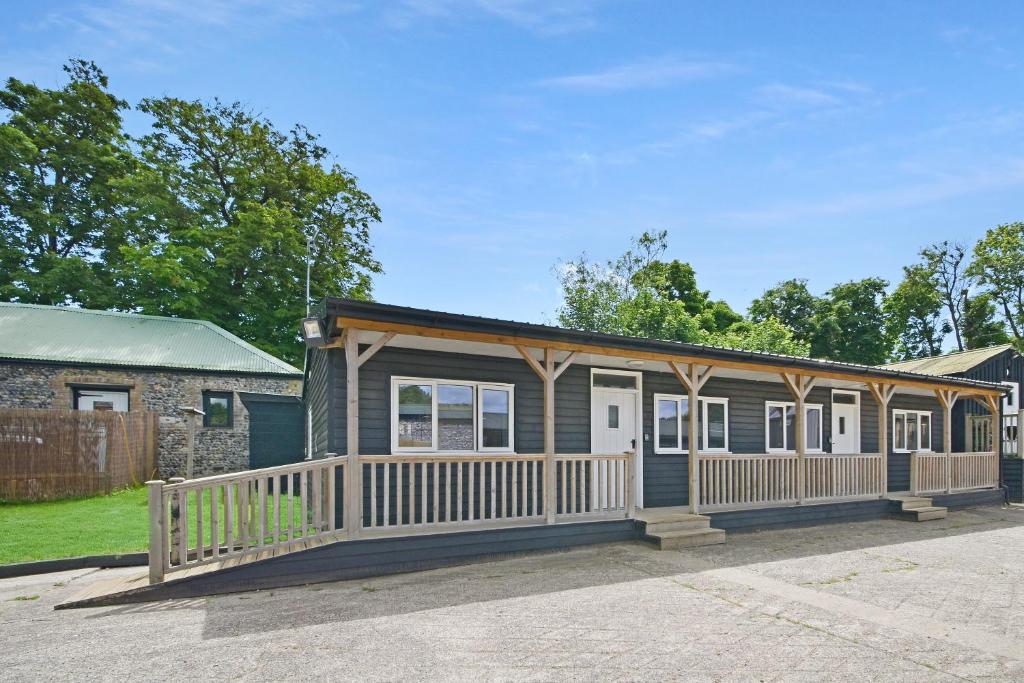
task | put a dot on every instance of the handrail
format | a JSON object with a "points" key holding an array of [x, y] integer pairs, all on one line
{"points": [[305, 465]]}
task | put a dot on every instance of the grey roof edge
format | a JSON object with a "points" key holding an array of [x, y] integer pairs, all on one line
{"points": [[336, 306]]}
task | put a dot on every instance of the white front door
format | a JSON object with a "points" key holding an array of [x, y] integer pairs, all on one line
{"points": [[845, 423], [612, 421]]}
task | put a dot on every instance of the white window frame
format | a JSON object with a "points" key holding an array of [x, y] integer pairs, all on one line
{"points": [[917, 417], [784, 405], [703, 401], [1011, 407], [477, 415], [704, 417]]}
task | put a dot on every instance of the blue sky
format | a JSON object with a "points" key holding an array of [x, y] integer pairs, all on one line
{"points": [[772, 140]]}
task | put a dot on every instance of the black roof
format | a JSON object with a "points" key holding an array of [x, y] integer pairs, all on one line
{"points": [[367, 310]]}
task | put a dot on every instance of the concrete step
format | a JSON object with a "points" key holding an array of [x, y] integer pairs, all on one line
{"points": [[692, 538], [692, 523], [923, 514]]}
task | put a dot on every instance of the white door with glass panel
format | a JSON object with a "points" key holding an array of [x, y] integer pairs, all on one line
{"points": [[845, 422], [614, 408]]}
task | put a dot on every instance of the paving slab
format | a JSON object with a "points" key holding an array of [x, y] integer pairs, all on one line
{"points": [[878, 600]]}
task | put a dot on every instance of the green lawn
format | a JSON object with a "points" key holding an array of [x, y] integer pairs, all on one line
{"points": [[102, 525], [48, 530]]}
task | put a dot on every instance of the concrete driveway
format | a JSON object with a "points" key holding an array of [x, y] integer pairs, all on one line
{"points": [[882, 600]]}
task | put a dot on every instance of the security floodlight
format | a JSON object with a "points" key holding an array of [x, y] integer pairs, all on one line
{"points": [[313, 332]]}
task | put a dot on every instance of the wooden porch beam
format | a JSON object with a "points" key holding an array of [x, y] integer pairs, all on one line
{"points": [[375, 347], [517, 341], [564, 365], [510, 340], [532, 362]]}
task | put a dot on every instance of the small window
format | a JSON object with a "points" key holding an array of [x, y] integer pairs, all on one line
{"points": [[672, 426], [780, 426], [218, 409], [911, 431], [715, 425], [844, 398], [813, 429], [613, 417], [608, 380], [668, 424], [842, 425], [496, 418]]}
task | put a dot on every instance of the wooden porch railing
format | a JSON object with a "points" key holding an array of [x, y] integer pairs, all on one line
{"points": [[733, 481], [965, 472], [842, 476], [280, 509], [736, 481], [199, 521]]}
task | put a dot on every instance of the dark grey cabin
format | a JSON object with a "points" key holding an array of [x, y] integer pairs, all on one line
{"points": [[446, 386]]}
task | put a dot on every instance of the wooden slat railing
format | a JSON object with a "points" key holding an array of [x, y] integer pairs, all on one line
{"points": [[734, 481], [594, 486], [928, 473], [411, 494], [270, 510], [842, 476], [969, 471]]}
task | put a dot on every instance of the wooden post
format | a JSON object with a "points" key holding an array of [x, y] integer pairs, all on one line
{"points": [[157, 531], [915, 485], [947, 397], [799, 386], [882, 394], [549, 435], [353, 472], [175, 554], [692, 379], [630, 484]]}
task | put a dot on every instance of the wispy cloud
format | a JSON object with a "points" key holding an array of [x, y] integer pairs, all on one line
{"points": [[784, 96], [995, 177], [544, 17], [651, 73], [119, 23]]}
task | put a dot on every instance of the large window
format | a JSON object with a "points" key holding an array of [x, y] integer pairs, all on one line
{"points": [[780, 426], [218, 409], [450, 416], [672, 424], [911, 430]]}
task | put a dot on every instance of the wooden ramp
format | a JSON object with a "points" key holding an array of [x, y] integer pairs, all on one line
{"points": [[325, 558], [137, 588]]}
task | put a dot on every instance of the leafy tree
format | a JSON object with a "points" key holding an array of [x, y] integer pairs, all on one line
{"points": [[850, 323], [793, 305], [947, 263], [981, 324], [639, 294], [912, 314], [221, 200], [768, 335], [62, 151], [998, 266]]}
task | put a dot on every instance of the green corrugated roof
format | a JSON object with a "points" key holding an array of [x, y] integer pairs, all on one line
{"points": [[80, 336], [950, 363]]}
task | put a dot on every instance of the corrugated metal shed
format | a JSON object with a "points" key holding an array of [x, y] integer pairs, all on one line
{"points": [[951, 363], [78, 336]]}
